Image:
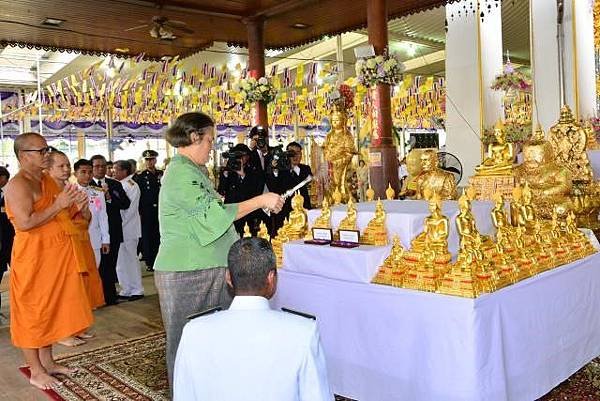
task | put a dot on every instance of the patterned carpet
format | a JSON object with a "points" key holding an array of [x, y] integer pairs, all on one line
{"points": [[135, 370]]}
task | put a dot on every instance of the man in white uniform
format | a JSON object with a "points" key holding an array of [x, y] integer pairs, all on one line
{"points": [[250, 352], [98, 228], [129, 272]]}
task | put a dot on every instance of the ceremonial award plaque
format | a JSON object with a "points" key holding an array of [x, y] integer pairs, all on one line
{"points": [[348, 239], [323, 234]]}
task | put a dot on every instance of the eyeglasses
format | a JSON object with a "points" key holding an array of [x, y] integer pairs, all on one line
{"points": [[41, 151]]}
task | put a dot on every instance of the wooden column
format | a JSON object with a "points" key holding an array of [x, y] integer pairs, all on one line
{"points": [[383, 168], [256, 62]]}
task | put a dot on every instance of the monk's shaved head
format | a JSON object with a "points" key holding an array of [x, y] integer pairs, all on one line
{"points": [[25, 140]]}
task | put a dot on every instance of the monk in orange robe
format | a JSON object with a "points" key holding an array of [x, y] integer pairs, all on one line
{"points": [[77, 227], [46, 287]]}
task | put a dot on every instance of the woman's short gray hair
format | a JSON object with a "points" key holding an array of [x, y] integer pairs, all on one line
{"points": [[179, 133]]}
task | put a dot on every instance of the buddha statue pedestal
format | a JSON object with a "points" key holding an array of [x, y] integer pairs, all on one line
{"points": [[459, 280], [391, 272], [424, 276], [486, 186]]}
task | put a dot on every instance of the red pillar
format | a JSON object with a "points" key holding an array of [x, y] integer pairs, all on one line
{"points": [[382, 143], [256, 62]]}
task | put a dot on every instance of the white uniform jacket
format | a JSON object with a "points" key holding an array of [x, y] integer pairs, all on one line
{"points": [[250, 353], [132, 226], [98, 228]]}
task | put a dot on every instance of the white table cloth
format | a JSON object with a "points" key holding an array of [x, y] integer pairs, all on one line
{"points": [[386, 344], [406, 217], [350, 264]]}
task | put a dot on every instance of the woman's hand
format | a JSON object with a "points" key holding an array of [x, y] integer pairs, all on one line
{"points": [[272, 202]]}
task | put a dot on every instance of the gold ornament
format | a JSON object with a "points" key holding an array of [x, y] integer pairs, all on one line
{"points": [[389, 192], [247, 233], [370, 194]]}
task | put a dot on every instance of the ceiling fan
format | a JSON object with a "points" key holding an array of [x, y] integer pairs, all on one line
{"points": [[163, 28]]}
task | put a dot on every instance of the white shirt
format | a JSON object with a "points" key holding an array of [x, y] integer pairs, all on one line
{"points": [[250, 353], [132, 225], [98, 228]]}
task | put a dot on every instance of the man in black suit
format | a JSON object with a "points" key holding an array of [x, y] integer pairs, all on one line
{"points": [[288, 179], [7, 231], [116, 200]]}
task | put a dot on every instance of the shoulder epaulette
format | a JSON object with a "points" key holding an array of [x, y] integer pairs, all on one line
{"points": [[302, 314], [204, 313]]}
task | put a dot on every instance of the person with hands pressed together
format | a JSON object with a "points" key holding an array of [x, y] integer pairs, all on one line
{"points": [[46, 288], [196, 230]]}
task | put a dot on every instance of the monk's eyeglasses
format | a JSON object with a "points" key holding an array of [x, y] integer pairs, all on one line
{"points": [[41, 151]]}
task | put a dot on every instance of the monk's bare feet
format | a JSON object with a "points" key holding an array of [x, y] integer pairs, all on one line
{"points": [[71, 342], [86, 335], [44, 381], [56, 369]]}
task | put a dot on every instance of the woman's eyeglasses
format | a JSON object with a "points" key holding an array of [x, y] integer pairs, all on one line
{"points": [[41, 151]]}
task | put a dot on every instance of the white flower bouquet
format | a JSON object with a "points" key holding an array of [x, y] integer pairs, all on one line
{"points": [[254, 90], [384, 69]]}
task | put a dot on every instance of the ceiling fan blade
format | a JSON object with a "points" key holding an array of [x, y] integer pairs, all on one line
{"points": [[137, 27], [175, 23], [180, 28]]}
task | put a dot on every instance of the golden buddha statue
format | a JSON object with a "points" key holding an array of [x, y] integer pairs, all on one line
{"points": [[336, 197], [500, 221], [424, 275], [568, 140], [390, 272], [247, 233], [465, 223], [486, 276], [433, 178], [506, 267], [549, 182], [413, 165], [324, 220], [561, 249], [542, 250], [375, 232], [592, 142], [297, 226], [280, 239], [500, 155], [339, 149], [389, 192], [349, 222], [263, 232], [370, 194]]}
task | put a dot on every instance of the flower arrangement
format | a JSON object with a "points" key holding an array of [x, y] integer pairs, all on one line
{"points": [[254, 90], [511, 80], [515, 133], [384, 69], [343, 96]]}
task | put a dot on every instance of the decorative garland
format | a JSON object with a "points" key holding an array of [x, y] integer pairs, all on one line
{"points": [[383, 69]]}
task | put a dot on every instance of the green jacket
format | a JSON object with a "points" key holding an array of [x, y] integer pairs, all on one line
{"points": [[196, 228]]}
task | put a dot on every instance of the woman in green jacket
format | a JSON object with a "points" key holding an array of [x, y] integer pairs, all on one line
{"points": [[196, 230]]}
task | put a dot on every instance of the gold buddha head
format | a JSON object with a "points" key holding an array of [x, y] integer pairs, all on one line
{"points": [[429, 160], [464, 202], [536, 155], [338, 117], [499, 134], [413, 162], [298, 201]]}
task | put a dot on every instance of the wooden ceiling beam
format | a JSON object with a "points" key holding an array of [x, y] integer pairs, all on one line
{"points": [[211, 12], [282, 8]]}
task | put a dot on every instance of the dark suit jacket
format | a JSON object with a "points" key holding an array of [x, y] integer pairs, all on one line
{"points": [[7, 235], [261, 175], [118, 201], [288, 179]]}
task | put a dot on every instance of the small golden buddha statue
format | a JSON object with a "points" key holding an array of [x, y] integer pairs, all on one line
{"points": [[349, 222], [465, 222], [390, 272], [549, 182], [507, 268], [541, 250], [500, 155], [324, 220], [339, 149], [423, 276], [389, 192], [247, 233], [433, 179], [297, 226], [486, 276], [263, 232], [375, 232], [370, 194], [500, 221], [336, 197], [280, 239], [460, 279]]}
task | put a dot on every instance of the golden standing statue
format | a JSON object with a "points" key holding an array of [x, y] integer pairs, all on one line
{"points": [[500, 156], [339, 150], [433, 179]]}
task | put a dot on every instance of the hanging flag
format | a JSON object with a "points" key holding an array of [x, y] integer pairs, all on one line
{"points": [[299, 75], [139, 57]]}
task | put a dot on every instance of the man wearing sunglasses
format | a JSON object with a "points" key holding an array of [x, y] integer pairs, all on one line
{"points": [[46, 291]]}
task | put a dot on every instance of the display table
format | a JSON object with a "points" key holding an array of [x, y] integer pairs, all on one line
{"points": [[405, 218], [359, 264], [386, 343]]}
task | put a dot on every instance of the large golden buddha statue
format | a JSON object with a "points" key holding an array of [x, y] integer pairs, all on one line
{"points": [[433, 179], [375, 232], [413, 165], [339, 149], [549, 182], [500, 155], [349, 222]]}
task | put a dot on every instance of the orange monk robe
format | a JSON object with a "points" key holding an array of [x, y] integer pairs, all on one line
{"points": [[48, 300], [87, 264]]}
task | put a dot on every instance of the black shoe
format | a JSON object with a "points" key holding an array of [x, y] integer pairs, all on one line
{"points": [[149, 269], [124, 298], [136, 297]]}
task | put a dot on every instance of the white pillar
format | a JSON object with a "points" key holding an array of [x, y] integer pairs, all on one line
{"points": [[579, 68], [544, 56], [473, 59]]}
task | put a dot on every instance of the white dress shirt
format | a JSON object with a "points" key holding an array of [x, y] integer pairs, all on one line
{"points": [[250, 353], [98, 228], [132, 226]]}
